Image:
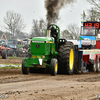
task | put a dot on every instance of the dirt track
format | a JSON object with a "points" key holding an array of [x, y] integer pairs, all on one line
{"points": [[11, 61], [43, 86]]}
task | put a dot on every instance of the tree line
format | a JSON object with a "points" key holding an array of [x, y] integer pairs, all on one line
{"points": [[14, 23]]}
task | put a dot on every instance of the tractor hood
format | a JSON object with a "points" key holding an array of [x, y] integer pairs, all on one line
{"points": [[43, 39]]}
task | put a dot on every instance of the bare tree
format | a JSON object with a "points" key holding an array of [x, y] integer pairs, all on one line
{"points": [[14, 22], [96, 3], [95, 11], [83, 15], [38, 28], [72, 32], [64, 34], [93, 14]]}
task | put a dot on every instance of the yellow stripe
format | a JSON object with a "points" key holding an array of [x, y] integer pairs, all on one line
{"points": [[50, 42]]}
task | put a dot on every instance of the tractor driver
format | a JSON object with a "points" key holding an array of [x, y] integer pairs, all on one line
{"points": [[89, 32], [54, 34]]}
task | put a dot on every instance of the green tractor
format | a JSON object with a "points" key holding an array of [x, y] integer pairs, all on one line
{"points": [[50, 52]]}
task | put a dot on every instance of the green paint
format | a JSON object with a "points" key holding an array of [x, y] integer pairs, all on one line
{"points": [[11, 64], [81, 38], [42, 48], [10, 67], [43, 39]]}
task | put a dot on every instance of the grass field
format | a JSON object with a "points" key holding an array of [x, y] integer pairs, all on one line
{"points": [[10, 67]]}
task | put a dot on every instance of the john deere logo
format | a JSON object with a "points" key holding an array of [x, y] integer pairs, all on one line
{"points": [[37, 46]]}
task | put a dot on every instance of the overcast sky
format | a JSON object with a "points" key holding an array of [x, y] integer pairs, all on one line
{"points": [[35, 9]]}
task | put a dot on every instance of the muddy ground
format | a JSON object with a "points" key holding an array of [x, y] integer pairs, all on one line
{"points": [[11, 60], [42, 86]]}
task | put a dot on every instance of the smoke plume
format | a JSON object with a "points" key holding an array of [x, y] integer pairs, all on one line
{"points": [[53, 7]]}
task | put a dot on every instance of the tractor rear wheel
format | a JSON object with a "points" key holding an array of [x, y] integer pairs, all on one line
{"points": [[94, 66], [66, 58], [53, 67], [4, 54], [98, 65], [10, 52], [25, 70]]}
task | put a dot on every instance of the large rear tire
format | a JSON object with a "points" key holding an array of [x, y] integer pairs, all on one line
{"points": [[66, 58], [98, 65], [25, 70], [94, 66], [10, 52], [4, 54]]}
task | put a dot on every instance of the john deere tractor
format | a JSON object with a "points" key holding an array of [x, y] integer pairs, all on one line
{"points": [[50, 52]]}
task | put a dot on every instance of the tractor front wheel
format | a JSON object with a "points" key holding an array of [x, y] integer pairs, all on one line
{"points": [[25, 70], [53, 67]]}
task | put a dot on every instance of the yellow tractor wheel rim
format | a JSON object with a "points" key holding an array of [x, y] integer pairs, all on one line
{"points": [[71, 62], [56, 67], [27, 68]]}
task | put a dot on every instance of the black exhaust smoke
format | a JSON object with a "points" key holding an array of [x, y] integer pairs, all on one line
{"points": [[53, 7]]}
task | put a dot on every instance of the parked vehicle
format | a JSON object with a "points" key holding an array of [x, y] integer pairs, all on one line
{"points": [[4, 49], [22, 51], [14, 44]]}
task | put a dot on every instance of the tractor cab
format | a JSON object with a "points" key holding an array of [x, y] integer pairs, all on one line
{"points": [[54, 31]]}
